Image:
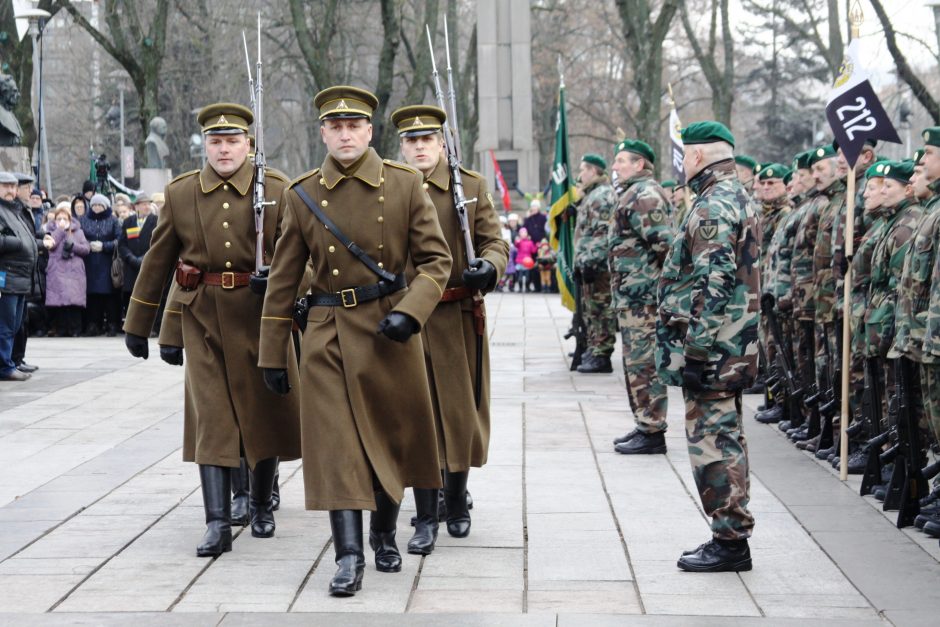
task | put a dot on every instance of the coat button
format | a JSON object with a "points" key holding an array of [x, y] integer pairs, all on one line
{"points": [[225, 225], [228, 244], [332, 249], [381, 246], [381, 219], [381, 265], [225, 187], [425, 185], [228, 264], [225, 205], [381, 198], [381, 179], [323, 203], [335, 272], [322, 182]]}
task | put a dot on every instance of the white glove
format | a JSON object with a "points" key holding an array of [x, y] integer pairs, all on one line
{"points": [[96, 246]]}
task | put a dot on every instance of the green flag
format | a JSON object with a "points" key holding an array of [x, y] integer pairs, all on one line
{"points": [[562, 197], [92, 171]]}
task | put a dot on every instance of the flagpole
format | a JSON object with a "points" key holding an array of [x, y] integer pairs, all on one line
{"points": [[855, 20], [686, 195]]}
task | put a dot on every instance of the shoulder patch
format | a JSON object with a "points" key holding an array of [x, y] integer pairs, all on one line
{"points": [[708, 228], [184, 175], [401, 166], [305, 176], [657, 216]]}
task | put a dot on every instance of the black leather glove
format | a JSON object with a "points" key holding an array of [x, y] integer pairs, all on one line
{"points": [[136, 345], [258, 283], [172, 355], [588, 275], [276, 380], [767, 302], [692, 375], [398, 326], [482, 276]]}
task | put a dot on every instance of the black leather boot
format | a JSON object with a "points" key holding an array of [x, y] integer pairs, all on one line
{"points": [[455, 497], [644, 444], [276, 492], [346, 525], [596, 365], [717, 556], [422, 542], [626, 438], [262, 509], [240, 483], [382, 526], [216, 499]]}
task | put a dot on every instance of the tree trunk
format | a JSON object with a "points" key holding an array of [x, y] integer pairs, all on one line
{"points": [[391, 25]]}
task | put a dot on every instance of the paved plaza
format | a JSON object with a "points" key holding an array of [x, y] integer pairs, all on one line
{"points": [[99, 517]]}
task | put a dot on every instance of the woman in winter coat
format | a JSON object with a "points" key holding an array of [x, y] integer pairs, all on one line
{"points": [[102, 231], [65, 274], [525, 249]]}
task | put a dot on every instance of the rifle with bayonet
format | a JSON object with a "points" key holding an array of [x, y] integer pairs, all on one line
{"points": [[578, 328], [872, 415], [907, 485], [452, 149], [785, 378]]}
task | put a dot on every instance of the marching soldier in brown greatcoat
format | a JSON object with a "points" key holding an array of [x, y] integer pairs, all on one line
{"points": [[455, 334], [207, 230], [380, 264]]}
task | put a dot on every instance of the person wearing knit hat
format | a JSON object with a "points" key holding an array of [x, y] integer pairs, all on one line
{"points": [[100, 199]]}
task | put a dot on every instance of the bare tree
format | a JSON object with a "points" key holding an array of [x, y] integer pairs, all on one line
{"points": [[720, 79], [813, 21]]}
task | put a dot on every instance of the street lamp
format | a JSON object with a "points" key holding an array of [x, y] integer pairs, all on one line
{"points": [[37, 19]]}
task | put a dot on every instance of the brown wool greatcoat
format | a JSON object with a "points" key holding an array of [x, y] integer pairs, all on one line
{"points": [[365, 403], [208, 222], [449, 337]]}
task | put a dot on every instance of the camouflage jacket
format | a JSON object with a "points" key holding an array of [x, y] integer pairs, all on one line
{"points": [[801, 264], [860, 224], [777, 278], [590, 238], [932, 332], [772, 215], [710, 286], [638, 238], [861, 278], [824, 282], [910, 315], [887, 263]]}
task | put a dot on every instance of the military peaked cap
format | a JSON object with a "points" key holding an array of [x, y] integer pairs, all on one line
{"points": [[343, 101], [224, 118], [418, 120]]}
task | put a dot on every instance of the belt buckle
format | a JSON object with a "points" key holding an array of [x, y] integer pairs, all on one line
{"points": [[228, 280], [348, 296]]}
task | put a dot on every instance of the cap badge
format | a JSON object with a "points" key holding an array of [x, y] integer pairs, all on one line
{"points": [[222, 120], [417, 121]]}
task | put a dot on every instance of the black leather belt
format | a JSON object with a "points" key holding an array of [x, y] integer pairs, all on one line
{"points": [[354, 296]]}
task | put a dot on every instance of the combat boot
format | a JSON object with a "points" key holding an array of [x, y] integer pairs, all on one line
{"points": [[262, 508], [346, 525], [455, 497], [644, 444], [932, 527], [276, 491], [770, 416], [382, 527], [216, 500], [718, 556], [927, 514], [426, 523], [596, 365], [828, 453], [809, 445], [785, 425], [626, 438], [240, 483]]}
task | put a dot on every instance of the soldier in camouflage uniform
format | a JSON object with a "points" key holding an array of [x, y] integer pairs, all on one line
{"points": [[706, 339], [639, 236], [590, 263], [747, 169]]}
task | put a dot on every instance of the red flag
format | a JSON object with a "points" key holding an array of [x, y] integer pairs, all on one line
{"points": [[501, 184]]}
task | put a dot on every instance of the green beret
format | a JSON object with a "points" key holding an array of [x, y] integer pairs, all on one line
{"points": [[932, 136], [918, 155], [636, 147], [788, 177], [670, 184], [746, 161], [773, 171], [801, 161], [826, 151], [595, 160], [876, 170], [707, 132], [900, 171]]}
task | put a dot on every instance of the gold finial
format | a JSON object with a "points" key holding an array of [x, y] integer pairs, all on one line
{"points": [[856, 17]]}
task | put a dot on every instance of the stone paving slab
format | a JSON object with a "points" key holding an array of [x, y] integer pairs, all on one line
{"points": [[99, 517]]}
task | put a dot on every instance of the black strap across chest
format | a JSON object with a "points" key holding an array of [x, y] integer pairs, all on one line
{"points": [[350, 245]]}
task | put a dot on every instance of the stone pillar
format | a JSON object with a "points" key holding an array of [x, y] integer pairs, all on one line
{"points": [[504, 74]]}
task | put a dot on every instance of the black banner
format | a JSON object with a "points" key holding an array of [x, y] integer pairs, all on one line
{"points": [[857, 115]]}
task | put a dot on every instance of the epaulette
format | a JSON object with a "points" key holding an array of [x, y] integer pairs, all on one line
{"points": [[400, 166], [184, 175], [276, 174], [305, 176], [471, 173]]}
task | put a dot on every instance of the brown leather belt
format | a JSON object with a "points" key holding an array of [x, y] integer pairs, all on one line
{"points": [[226, 280], [456, 293]]}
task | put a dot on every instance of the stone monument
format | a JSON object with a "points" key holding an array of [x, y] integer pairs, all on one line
{"points": [[13, 156], [156, 175]]}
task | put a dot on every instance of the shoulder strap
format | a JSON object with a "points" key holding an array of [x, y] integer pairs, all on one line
{"points": [[345, 241]]}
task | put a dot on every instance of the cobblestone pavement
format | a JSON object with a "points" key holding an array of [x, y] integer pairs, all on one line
{"points": [[99, 518]]}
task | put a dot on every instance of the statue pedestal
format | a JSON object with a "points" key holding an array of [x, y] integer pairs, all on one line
{"points": [[15, 159], [153, 180]]}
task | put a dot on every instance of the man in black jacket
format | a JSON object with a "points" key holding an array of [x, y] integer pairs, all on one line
{"points": [[18, 257], [134, 243]]}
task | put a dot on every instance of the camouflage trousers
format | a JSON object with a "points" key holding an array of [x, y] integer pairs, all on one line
{"points": [[718, 452], [930, 390], [828, 352], [599, 318], [648, 398], [805, 351]]}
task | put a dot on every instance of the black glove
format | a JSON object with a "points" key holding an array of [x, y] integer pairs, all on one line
{"points": [[258, 283], [844, 264], [767, 302], [692, 375], [172, 355], [398, 326], [588, 275], [276, 380], [136, 345], [482, 276]]}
